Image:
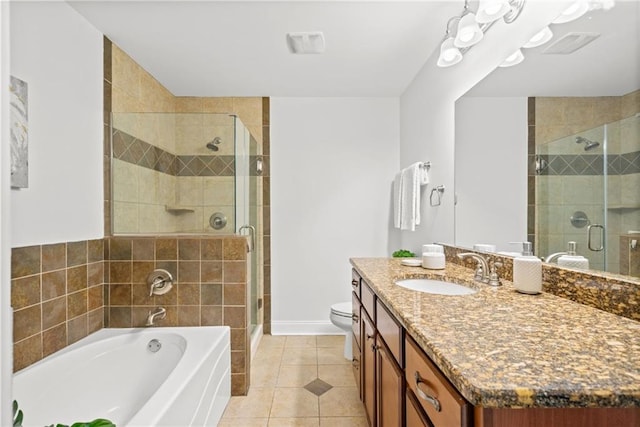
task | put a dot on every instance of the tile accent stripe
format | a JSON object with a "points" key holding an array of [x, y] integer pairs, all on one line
{"points": [[138, 152], [591, 164]]}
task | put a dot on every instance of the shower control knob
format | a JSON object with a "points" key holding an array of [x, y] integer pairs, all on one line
{"points": [[218, 221]]}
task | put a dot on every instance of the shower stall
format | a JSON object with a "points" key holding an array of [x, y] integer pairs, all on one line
{"points": [[188, 173], [587, 191]]}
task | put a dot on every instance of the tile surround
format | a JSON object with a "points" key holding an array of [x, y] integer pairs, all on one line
{"points": [[63, 292], [57, 295]]}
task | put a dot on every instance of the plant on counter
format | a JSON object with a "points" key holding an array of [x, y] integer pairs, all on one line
{"points": [[403, 253], [18, 417]]}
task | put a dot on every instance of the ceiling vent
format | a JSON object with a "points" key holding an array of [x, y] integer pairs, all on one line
{"points": [[569, 43], [306, 42]]}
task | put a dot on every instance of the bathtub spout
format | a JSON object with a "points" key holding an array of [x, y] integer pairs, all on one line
{"points": [[157, 313]]}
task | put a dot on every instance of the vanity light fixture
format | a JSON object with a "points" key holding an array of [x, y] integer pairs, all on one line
{"points": [[514, 59], [580, 7], [540, 38], [471, 27]]}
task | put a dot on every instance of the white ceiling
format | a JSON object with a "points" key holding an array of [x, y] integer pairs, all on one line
{"points": [[373, 48]]}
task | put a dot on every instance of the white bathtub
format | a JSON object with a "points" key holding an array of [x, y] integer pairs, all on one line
{"points": [[112, 374]]}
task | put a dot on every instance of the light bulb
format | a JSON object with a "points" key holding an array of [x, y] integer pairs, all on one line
{"points": [[449, 54], [514, 59], [573, 12], [469, 33], [540, 38], [490, 10]]}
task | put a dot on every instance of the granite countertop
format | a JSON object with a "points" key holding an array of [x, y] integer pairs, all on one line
{"points": [[501, 348]]}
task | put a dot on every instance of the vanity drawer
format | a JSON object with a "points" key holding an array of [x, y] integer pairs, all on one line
{"points": [[355, 282], [368, 299], [390, 331], [432, 389]]}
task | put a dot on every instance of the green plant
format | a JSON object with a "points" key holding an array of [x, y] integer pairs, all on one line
{"points": [[95, 423], [403, 253], [18, 416]]}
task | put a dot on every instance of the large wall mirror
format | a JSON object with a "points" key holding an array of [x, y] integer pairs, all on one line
{"points": [[549, 150]]}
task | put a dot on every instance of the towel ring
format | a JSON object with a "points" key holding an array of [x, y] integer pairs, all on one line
{"points": [[437, 191]]}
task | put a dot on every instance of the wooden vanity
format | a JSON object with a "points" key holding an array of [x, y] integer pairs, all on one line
{"points": [[434, 360]]}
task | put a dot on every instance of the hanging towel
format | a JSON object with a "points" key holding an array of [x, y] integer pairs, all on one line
{"points": [[410, 181], [397, 200]]}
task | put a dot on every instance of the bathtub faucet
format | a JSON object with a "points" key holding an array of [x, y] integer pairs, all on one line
{"points": [[158, 312]]}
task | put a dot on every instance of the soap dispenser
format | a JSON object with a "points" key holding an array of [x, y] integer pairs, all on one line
{"points": [[527, 271], [572, 260]]}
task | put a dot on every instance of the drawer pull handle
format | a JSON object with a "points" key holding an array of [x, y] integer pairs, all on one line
{"points": [[430, 399], [374, 347], [354, 283], [355, 317]]}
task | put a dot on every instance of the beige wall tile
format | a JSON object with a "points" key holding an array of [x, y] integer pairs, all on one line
{"points": [[189, 191], [125, 182], [217, 105], [126, 73], [249, 109], [188, 104], [125, 217], [218, 190]]}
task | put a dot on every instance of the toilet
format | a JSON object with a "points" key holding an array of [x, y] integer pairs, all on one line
{"points": [[341, 316]]}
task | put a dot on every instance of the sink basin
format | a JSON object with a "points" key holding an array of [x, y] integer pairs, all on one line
{"points": [[437, 287]]}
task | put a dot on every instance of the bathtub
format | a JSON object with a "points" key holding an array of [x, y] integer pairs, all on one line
{"points": [[133, 377]]}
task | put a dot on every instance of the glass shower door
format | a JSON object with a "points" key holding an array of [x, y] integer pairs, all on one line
{"points": [[571, 196], [246, 214]]}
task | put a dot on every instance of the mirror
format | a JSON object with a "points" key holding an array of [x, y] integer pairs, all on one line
{"points": [[527, 169]]}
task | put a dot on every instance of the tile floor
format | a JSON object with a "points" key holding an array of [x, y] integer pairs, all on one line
{"points": [[298, 381]]}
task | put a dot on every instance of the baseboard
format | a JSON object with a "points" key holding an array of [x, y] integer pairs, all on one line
{"points": [[304, 328]]}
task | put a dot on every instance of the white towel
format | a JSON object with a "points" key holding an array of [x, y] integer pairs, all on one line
{"points": [[410, 202], [397, 200]]}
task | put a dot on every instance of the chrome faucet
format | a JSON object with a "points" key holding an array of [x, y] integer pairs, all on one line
{"points": [[553, 257], [483, 273], [158, 312]]}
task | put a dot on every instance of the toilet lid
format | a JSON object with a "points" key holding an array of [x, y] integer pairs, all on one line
{"points": [[342, 309]]}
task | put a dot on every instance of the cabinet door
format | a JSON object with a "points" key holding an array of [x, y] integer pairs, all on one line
{"points": [[355, 318], [368, 368], [390, 387], [357, 366]]}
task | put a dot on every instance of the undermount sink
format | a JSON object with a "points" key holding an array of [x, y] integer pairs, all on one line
{"points": [[437, 287]]}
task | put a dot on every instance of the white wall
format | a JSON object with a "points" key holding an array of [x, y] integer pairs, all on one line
{"points": [[6, 314], [491, 144], [59, 54], [333, 161], [427, 112]]}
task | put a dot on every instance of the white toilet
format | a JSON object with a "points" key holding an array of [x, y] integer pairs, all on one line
{"points": [[341, 317]]}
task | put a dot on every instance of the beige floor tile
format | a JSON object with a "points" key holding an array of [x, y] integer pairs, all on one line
{"points": [[341, 402], [332, 356], [270, 341], [268, 356], [256, 404], [343, 422], [300, 356], [300, 341], [337, 375], [294, 422], [264, 375], [330, 341], [293, 403], [296, 375], [243, 422]]}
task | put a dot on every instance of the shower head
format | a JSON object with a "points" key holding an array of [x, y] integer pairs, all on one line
{"points": [[588, 144], [213, 145]]}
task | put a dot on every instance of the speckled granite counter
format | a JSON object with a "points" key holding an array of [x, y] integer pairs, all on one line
{"points": [[500, 348]]}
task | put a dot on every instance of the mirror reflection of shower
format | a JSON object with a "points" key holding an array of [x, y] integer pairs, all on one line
{"points": [[213, 144], [588, 144]]}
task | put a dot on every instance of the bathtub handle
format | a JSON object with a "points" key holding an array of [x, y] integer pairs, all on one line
{"points": [[160, 282]]}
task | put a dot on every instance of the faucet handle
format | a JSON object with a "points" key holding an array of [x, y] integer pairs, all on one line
{"points": [[494, 280], [479, 273]]}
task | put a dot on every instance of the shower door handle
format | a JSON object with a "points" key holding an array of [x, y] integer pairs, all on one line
{"points": [[252, 233], [601, 228]]}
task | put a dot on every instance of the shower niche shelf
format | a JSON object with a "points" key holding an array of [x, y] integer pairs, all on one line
{"points": [[623, 206], [177, 210]]}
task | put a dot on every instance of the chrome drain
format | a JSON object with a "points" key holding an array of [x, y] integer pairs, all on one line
{"points": [[154, 346]]}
